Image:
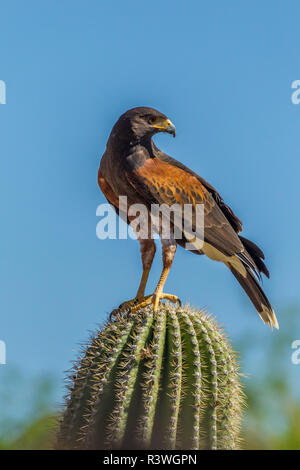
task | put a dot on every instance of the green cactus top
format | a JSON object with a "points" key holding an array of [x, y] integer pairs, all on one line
{"points": [[168, 380]]}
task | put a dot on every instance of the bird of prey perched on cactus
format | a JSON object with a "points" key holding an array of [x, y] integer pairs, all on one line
{"points": [[134, 167]]}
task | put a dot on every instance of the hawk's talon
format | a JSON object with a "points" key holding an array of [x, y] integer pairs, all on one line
{"points": [[113, 314], [129, 304], [117, 312], [155, 299], [172, 298], [136, 304]]}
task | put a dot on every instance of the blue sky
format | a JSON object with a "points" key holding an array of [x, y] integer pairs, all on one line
{"points": [[222, 72]]}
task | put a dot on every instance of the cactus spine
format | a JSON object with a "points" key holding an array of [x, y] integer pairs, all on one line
{"points": [[168, 380]]}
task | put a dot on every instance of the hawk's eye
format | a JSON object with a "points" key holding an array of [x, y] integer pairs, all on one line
{"points": [[151, 120]]}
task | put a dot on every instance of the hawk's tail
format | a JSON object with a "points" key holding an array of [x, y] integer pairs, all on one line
{"points": [[256, 295]]}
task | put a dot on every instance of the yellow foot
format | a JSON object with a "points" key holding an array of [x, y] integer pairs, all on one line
{"points": [[136, 304], [154, 299], [127, 306]]}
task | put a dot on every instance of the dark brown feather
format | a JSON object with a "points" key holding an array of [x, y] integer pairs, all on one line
{"points": [[256, 254], [257, 296]]}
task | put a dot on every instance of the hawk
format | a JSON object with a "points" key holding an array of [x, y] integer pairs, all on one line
{"points": [[134, 167]]}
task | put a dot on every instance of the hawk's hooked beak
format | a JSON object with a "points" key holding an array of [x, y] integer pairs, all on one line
{"points": [[165, 125]]}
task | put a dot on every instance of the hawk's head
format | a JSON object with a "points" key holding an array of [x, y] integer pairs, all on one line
{"points": [[142, 122]]}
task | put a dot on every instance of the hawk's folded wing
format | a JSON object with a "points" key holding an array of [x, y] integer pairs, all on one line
{"points": [[160, 182]]}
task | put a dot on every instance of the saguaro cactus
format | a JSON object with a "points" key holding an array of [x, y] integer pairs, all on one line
{"points": [[166, 380]]}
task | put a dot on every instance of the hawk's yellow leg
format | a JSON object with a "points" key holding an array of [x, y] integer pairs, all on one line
{"points": [[142, 301], [157, 295], [147, 251]]}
